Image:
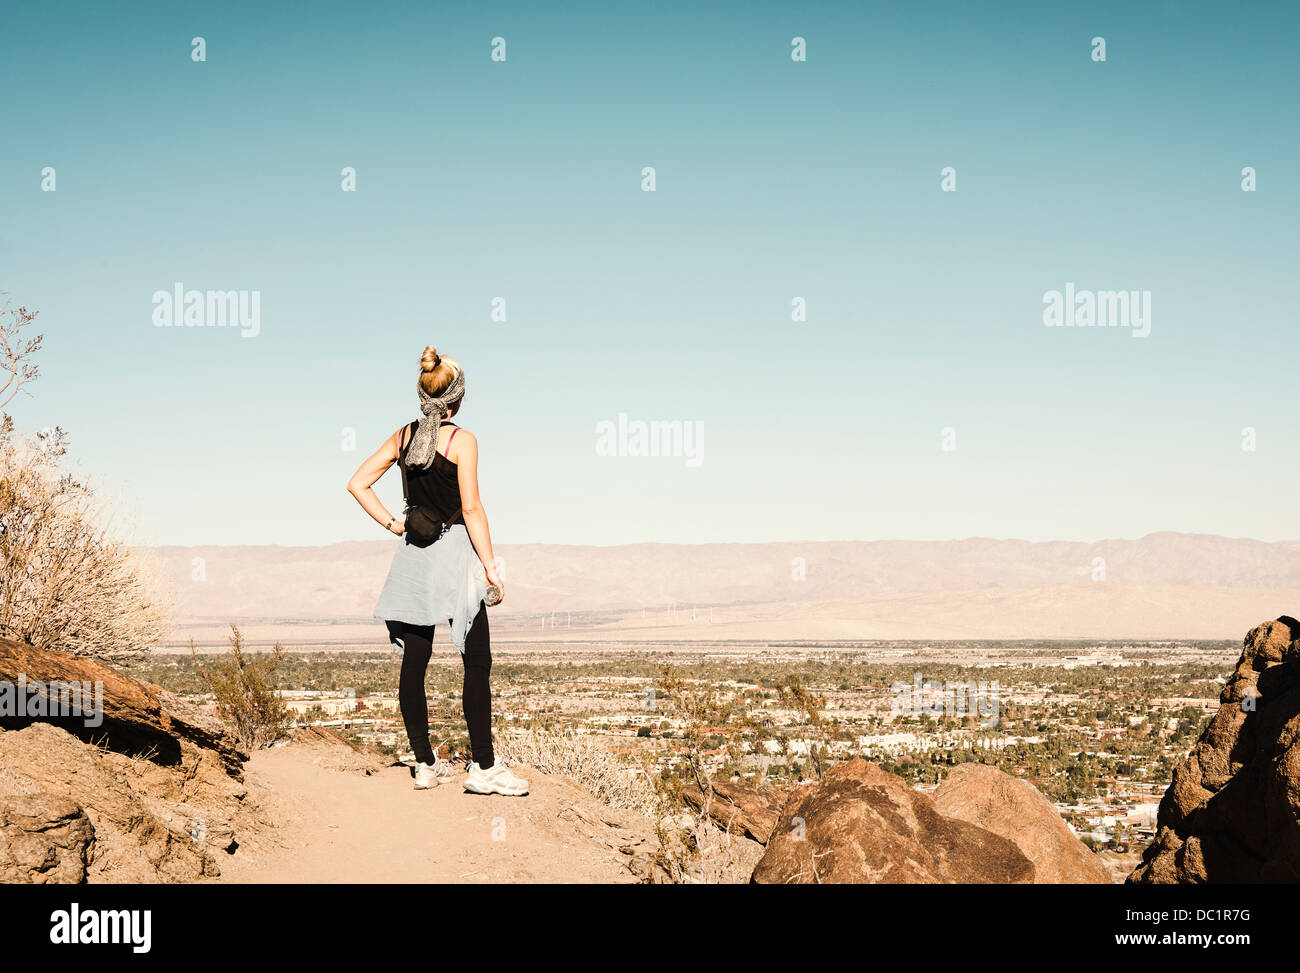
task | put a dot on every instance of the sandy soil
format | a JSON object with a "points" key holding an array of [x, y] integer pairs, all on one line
{"points": [[337, 825]]}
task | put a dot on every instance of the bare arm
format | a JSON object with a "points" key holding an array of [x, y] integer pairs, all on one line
{"points": [[471, 506], [367, 474]]}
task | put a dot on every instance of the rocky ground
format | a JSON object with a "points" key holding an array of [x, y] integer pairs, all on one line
{"points": [[72, 812]]}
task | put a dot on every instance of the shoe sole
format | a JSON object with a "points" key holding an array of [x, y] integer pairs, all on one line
{"points": [[471, 788]]}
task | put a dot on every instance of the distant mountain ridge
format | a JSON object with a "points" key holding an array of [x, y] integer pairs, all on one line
{"points": [[341, 581]]}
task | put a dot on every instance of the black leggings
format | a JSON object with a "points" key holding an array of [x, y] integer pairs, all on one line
{"points": [[476, 695]]}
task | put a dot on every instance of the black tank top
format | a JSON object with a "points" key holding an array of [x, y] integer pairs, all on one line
{"points": [[436, 489]]}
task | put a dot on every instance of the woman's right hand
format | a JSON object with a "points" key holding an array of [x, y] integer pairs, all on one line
{"points": [[494, 579], [399, 526]]}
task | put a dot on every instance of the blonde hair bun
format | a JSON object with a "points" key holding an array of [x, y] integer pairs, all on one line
{"points": [[437, 372]]}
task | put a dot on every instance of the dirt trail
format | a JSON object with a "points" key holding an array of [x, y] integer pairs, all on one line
{"points": [[338, 825]]}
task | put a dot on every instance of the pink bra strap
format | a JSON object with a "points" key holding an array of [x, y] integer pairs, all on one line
{"points": [[447, 451]]}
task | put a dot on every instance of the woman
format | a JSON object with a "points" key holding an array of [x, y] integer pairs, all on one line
{"points": [[442, 577]]}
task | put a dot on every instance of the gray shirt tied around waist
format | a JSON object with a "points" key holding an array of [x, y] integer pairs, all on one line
{"points": [[444, 582]]}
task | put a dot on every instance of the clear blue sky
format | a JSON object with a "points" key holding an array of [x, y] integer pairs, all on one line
{"points": [[776, 179]]}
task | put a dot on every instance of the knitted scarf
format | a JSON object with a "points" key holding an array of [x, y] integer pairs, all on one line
{"points": [[419, 455]]}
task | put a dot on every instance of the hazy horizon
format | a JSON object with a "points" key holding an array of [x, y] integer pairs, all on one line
{"points": [[1162, 585], [785, 541]]}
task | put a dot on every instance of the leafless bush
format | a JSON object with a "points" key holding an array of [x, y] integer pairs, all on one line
{"points": [[68, 580], [602, 774], [693, 850], [16, 350]]}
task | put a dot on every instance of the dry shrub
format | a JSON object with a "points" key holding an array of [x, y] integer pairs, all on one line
{"points": [[68, 580], [254, 711], [601, 773], [17, 350], [692, 848], [695, 851]]}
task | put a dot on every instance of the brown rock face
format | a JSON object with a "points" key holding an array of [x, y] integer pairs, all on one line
{"points": [[1232, 812], [859, 824], [147, 823], [137, 718], [1014, 809], [134, 787], [43, 839], [740, 809]]}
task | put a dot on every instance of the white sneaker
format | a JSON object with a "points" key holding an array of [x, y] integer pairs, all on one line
{"points": [[426, 776], [497, 779]]}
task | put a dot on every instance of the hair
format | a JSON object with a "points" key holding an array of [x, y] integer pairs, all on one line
{"points": [[437, 372]]}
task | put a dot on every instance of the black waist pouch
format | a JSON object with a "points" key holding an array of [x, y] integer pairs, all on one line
{"points": [[423, 527]]}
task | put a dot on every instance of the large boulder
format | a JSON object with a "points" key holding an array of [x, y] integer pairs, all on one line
{"points": [[860, 824], [1232, 811], [1014, 809], [739, 809]]}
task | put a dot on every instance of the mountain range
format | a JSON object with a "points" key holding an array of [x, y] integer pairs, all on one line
{"points": [[1163, 585]]}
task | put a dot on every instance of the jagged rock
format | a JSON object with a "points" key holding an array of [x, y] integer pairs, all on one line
{"points": [[1232, 812], [860, 824], [43, 839], [1014, 809], [137, 718], [742, 809]]}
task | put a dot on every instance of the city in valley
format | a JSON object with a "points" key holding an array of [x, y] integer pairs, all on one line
{"points": [[1097, 726]]}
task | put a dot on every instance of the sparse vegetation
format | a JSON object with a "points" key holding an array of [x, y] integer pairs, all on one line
{"points": [[692, 848], [586, 760], [254, 712]]}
